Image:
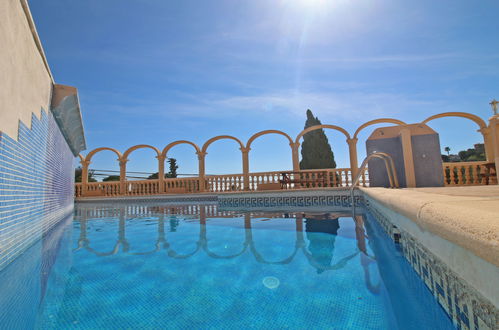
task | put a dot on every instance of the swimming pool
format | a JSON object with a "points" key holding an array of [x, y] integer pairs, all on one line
{"points": [[194, 266]]}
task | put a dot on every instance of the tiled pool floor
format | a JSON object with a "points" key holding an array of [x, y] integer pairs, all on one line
{"points": [[152, 268]]}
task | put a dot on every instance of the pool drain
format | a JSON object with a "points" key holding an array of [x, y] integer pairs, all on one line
{"points": [[271, 282]]}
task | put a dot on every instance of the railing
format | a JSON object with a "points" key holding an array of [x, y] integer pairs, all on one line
{"points": [[340, 177], [181, 185], [142, 187], [455, 174], [100, 188], [390, 171], [467, 174], [223, 183]]}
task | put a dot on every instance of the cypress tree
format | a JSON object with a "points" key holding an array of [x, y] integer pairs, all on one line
{"points": [[316, 152]]}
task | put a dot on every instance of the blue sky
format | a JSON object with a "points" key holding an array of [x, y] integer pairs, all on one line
{"points": [[156, 71]]}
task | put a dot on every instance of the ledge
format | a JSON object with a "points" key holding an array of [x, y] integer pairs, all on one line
{"points": [[465, 216], [65, 107]]}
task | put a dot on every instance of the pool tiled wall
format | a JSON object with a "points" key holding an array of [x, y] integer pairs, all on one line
{"points": [[36, 184], [467, 308]]}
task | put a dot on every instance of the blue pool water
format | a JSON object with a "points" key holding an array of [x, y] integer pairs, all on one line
{"points": [[152, 267]]}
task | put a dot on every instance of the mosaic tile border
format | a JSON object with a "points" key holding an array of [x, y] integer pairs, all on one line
{"points": [[467, 308], [339, 198]]}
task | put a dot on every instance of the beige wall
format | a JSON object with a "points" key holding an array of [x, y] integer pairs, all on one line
{"points": [[25, 80]]}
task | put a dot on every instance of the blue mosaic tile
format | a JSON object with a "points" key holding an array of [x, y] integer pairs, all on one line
{"points": [[461, 301], [36, 184]]}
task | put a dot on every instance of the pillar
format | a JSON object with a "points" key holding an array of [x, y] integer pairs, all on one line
{"points": [[494, 139], [84, 176], [352, 151], [295, 147], [201, 167], [123, 176], [410, 174], [161, 173], [488, 141], [245, 155]]}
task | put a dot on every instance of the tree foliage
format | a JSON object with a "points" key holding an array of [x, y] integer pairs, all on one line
{"points": [[171, 174], [472, 154], [173, 168], [316, 152], [78, 173], [111, 178]]}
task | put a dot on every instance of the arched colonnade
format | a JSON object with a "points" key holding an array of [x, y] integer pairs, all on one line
{"points": [[294, 144]]}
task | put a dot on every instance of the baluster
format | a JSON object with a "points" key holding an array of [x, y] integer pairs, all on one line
{"points": [[460, 175], [467, 175], [452, 175], [482, 179]]}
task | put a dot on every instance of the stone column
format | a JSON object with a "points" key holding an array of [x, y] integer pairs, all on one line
{"points": [[352, 150], [494, 138], [245, 154], [123, 176], [201, 159], [295, 147], [488, 141], [410, 174], [161, 174], [84, 176]]}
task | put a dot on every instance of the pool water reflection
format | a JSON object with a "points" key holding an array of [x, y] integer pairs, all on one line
{"points": [[198, 267]]}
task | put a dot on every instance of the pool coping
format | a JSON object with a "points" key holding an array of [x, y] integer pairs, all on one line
{"points": [[471, 222]]}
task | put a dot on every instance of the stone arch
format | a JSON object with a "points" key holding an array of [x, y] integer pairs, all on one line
{"points": [[296, 145], [140, 146], [484, 129], [259, 258], [93, 152], [82, 159], [173, 144], [216, 256], [479, 121], [221, 137], [173, 254], [269, 131], [377, 121], [316, 127]]}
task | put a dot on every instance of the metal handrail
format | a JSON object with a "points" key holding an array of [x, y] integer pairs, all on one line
{"points": [[390, 170]]}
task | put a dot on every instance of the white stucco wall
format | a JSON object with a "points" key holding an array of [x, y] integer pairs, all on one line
{"points": [[25, 80]]}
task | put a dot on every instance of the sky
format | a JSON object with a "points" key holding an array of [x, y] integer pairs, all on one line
{"points": [[157, 71]]}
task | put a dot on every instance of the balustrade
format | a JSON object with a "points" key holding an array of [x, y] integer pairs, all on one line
{"points": [[455, 174], [467, 174]]}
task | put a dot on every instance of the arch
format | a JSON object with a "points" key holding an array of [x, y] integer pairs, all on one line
{"points": [[173, 144], [220, 137], [316, 127], [269, 131], [140, 146], [377, 121], [82, 159], [216, 256], [259, 258], [173, 254], [93, 152], [479, 121]]}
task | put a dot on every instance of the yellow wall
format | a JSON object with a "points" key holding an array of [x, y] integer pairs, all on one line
{"points": [[25, 79]]}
